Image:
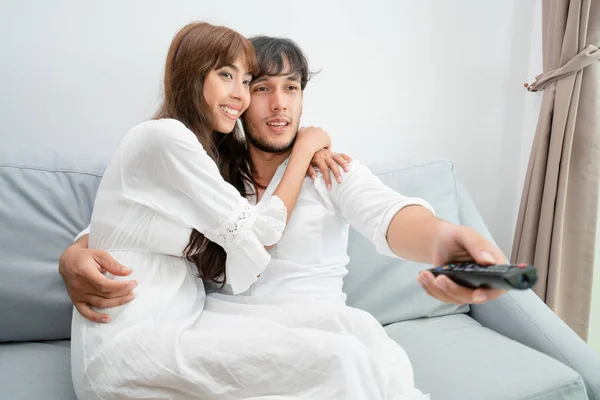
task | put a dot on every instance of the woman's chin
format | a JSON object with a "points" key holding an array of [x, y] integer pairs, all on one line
{"points": [[225, 128]]}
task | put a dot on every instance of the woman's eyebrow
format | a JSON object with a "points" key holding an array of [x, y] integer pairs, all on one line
{"points": [[235, 68]]}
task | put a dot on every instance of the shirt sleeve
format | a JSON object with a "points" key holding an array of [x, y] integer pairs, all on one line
{"points": [[369, 205], [165, 168], [84, 232]]}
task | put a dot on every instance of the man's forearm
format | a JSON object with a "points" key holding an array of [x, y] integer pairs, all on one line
{"points": [[412, 233]]}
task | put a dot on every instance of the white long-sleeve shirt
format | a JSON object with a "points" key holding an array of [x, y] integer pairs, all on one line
{"points": [[311, 256]]}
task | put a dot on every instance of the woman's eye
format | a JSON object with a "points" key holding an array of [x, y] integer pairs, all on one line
{"points": [[247, 83], [226, 75]]}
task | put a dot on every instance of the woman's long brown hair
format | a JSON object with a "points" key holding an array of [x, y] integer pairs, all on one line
{"points": [[197, 49]]}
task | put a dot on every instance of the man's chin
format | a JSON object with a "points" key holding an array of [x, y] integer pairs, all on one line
{"points": [[269, 146]]}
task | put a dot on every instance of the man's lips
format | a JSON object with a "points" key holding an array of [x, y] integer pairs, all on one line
{"points": [[278, 124]]}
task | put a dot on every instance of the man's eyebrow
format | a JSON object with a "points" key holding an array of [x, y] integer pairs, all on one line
{"points": [[289, 77], [293, 77]]}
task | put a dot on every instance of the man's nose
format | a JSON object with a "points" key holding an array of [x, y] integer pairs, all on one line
{"points": [[278, 101]]}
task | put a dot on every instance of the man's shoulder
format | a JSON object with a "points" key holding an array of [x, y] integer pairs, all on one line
{"points": [[356, 173], [355, 168]]}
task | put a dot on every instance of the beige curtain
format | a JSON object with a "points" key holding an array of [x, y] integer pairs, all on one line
{"points": [[556, 227]]}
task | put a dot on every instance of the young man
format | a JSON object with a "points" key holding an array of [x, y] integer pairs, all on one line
{"points": [[310, 259]]}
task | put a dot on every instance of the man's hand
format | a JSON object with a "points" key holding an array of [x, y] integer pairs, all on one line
{"points": [[327, 160], [82, 268], [460, 243]]}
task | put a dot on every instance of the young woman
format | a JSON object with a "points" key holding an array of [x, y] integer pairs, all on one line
{"points": [[172, 207]]}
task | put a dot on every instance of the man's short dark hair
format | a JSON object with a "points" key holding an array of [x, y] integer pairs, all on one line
{"points": [[271, 53]]}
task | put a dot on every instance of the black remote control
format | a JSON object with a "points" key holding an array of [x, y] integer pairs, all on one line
{"points": [[499, 276]]}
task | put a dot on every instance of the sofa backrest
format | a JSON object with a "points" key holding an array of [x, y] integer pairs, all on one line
{"points": [[387, 287], [46, 199]]}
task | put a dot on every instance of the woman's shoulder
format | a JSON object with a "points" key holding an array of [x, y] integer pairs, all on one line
{"points": [[161, 133], [163, 126]]}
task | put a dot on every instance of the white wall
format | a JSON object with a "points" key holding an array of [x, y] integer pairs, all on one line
{"points": [[399, 78], [531, 107]]}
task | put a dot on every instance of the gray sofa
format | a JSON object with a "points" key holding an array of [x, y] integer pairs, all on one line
{"points": [[511, 348]]}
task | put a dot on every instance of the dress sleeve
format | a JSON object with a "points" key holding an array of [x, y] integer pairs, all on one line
{"points": [[369, 205], [165, 168]]}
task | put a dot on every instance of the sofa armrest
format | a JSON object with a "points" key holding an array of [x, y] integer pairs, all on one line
{"points": [[522, 316]]}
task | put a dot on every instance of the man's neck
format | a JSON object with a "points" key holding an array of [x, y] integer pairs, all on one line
{"points": [[265, 164]]}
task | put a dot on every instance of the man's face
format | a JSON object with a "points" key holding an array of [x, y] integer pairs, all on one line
{"points": [[272, 119]]}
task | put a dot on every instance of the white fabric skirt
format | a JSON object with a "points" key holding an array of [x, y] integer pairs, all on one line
{"points": [[242, 347]]}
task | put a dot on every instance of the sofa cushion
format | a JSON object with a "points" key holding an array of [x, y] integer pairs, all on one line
{"points": [[46, 199], [455, 358], [385, 286], [36, 371]]}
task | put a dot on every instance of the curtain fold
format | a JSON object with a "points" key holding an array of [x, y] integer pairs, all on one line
{"points": [[556, 226]]}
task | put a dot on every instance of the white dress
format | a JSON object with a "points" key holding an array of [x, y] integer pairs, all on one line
{"points": [[289, 335]]}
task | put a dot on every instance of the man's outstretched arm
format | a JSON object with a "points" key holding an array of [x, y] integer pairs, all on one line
{"points": [[416, 234], [435, 241], [407, 227], [412, 232]]}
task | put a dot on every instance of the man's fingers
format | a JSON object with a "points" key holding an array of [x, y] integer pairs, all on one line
{"points": [[458, 293], [125, 288], [479, 248], [489, 294], [110, 264], [436, 293], [499, 256], [335, 169], [102, 302], [109, 288], [426, 289], [447, 290], [426, 279], [86, 311]]}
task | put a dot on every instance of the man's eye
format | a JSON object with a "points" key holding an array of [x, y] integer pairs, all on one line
{"points": [[260, 89], [292, 87], [226, 75]]}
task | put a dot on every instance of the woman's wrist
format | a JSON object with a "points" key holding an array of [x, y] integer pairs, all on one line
{"points": [[303, 151]]}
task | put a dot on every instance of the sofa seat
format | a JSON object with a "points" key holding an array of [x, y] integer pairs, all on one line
{"points": [[36, 371], [455, 358]]}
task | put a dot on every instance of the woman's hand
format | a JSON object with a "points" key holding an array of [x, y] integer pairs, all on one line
{"points": [[312, 139], [308, 141], [326, 160]]}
